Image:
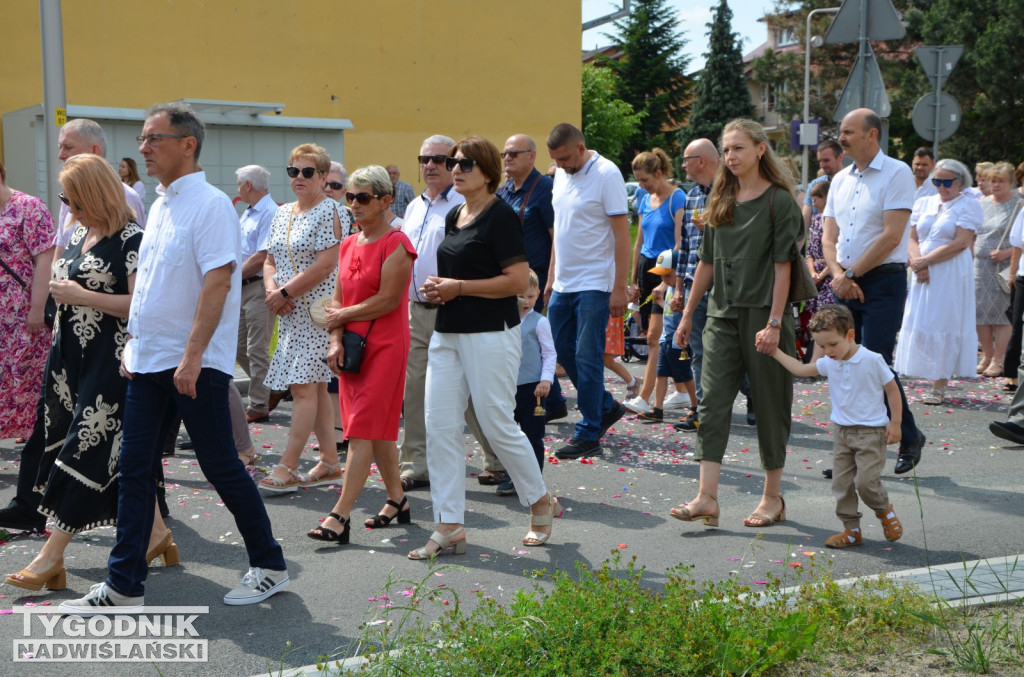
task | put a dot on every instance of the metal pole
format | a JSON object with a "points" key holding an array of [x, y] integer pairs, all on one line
{"points": [[807, 84], [935, 132], [52, 34], [865, 51]]}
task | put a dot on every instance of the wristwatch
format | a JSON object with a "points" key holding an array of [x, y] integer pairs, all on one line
{"points": [[284, 293], [849, 274], [773, 323]]}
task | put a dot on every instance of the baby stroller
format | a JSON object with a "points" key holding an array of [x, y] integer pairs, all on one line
{"points": [[636, 345]]}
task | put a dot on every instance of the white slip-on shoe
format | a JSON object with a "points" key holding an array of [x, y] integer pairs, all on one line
{"points": [[638, 405], [257, 585], [677, 400], [102, 599]]}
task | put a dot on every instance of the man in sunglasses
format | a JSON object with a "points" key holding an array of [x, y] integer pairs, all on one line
{"points": [[864, 237], [404, 193]]}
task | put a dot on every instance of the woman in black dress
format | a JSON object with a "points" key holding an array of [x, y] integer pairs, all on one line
{"points": [[84, 392]]}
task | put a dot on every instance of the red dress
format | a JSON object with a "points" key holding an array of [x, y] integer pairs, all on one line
{"points": [[371, 401]]}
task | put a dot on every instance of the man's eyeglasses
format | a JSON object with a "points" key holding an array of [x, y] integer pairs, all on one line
{"points": [[690, 157], [427, 159], [307, 172], [948, 183], [512, 153], [465, 164], [154, 139], [335, 185], [361, 198]]}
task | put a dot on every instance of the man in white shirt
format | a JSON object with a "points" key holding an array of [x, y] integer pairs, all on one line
{"points": [[922, 166], [864, 237], [188, 268], [588, 270], [255, 324]]}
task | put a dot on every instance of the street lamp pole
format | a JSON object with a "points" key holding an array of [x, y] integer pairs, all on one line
{"points": [[807, 84]]}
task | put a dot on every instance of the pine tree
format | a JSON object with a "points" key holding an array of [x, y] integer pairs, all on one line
{"points": [[651, 75], [722, 92]]}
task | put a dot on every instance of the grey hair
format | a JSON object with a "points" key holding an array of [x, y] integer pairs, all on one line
{"points": [[341, 171], [183, 120], [256, 175], [90, 132], [956, 167], [375, 178], [438, 138]]}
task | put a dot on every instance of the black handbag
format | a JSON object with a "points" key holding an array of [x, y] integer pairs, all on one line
{"points": [[353, 344]]}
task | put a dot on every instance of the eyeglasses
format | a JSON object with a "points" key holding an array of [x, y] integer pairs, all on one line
{"points": [[154, 139], [465, 164], [512, 153], [334, 185], [427, 159], [948, 183], [64, 199], [361, 198], [307, 172], [690, 157]]}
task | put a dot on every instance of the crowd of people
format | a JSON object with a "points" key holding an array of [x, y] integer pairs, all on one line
{"points": [[460, 302]]}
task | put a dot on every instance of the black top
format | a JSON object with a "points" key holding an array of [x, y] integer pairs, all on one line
{"points": [[487, 245]]}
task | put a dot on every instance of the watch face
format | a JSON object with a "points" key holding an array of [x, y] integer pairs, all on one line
{"points": [[773, 323], [849, 274]]}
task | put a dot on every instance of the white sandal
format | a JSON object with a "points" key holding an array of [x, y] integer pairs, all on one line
{"points": [[554, 510], [445, 545], [311, 479], [278, 486]]}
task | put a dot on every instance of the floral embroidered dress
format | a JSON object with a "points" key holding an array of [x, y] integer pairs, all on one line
{"points": [[26, 229], [815, 251], [85, 392]]}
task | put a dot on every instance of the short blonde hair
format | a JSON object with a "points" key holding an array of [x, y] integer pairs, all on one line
{"points": [[311, 151], [534, 280], [95, 193]]}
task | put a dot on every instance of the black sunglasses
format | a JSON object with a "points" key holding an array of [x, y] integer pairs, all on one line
{"points": [[361, 198], [64, 199], [307, 172], [334, 185], [465, 164], [948, 183], [512, 153], [427, 159]]}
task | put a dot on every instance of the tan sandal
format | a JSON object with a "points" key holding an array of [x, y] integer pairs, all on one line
{"points": [[710, 518], [984, 364], [847, 538], [538, 538], [760, 519], [333, 475], [891, 526], [278, 486], [444, 544], [995, 370], [936, 398]]}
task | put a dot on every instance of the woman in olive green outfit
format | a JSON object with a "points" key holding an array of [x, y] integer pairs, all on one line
{"points": [[746, 253]]}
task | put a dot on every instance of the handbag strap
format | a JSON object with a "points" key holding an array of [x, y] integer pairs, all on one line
{"points": [[370, 328], [13, 274]]}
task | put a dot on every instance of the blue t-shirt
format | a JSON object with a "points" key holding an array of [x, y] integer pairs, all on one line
{"points": [[658, 224], [670, 320]]}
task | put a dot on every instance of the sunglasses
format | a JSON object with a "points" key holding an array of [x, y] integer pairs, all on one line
{"points": [[427, 159], [948, 183], [307, 172], [512, 153], [361, 198], [334, 185], [64, 199], [465, 164]]}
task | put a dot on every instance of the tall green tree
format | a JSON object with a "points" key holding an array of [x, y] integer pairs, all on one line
{"points": [[722, 92], [609, 124], [651, 75]]}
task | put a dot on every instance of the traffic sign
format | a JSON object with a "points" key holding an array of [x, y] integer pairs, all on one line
{"points": [[925, 119], [938, 62], [864, 89], [878, 17]]}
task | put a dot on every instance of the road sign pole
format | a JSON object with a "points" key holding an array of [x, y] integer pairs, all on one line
{"points": [[938, 107]]}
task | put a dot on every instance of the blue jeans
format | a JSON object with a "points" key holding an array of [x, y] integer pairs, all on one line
{"points": [[578, 323], [876, 322], [148, 415], [700, 318]]}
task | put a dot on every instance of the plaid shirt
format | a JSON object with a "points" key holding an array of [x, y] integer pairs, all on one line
{"points": [[696, 198]]}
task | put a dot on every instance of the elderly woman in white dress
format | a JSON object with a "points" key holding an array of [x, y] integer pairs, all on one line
{"points": [[939, 339]]}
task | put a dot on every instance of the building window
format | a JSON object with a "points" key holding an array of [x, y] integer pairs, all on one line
{"points": [[785, 36]]}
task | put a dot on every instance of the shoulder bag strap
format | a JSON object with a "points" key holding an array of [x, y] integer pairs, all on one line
{"points": [[386, 237], [1006, 231], [13, 274]]}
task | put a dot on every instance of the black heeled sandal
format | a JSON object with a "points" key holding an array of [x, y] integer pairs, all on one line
{"points": [[381, 520], [322, 533]]}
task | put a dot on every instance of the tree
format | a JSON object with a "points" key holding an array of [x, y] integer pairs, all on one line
{"points": [[609, 124], [651, 75], [722, 92]]}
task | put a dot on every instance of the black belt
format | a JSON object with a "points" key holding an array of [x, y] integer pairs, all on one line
{"points": [[428, 306], [886, 268], [254, 278]]}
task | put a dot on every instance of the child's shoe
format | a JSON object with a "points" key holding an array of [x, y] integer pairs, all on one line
{"points": [[845, 540], [890, 524], [655, 415]]}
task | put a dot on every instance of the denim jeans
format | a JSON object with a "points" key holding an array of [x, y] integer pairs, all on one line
{"points": [[700, 318], [578, 323], [877, 320], [148, 416]]}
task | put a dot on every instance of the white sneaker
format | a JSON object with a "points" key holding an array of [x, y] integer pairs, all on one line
{"points": [[638, 405], [102, 599], [257, 585], [677, 400]]}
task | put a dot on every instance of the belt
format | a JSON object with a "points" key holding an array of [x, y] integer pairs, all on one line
{"points": [[886, 268], [428, 306], [254, 278]]}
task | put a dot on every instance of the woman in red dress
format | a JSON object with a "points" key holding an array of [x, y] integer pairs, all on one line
{"points": [[370, 299]]}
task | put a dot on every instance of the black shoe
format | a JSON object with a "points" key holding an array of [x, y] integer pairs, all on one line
{"points": [[910, 455], [611, 418], [1004, 430], [578, 449], [751, 414], [555, 414], [185, 442], [408, 484], [19, 520], [655, 415], [687, 423], [827, 472]]}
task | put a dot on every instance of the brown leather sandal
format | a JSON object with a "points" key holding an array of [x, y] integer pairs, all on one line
{"points": [[845, 539], [891, 526], [710, 518], [761, 519]]}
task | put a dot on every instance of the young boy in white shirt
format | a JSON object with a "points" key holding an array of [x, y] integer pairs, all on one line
{"points": [[857, 377]]}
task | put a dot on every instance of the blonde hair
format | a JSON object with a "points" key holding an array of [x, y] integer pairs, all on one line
{"points": [[727, 185], [534, 280], [652, 161], [1006, 169], [311, 151], [95, 193]]}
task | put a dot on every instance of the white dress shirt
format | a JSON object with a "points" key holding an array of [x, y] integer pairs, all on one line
{"points": [[255, 225], [858, 202], [424, 226], [193, 228]]}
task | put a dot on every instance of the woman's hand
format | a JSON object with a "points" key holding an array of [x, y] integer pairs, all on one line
{"points": [[918, 264], [542, 389], [1000, 255], [633, 293], [683, 331], [35, 322], [278, 304], [767, 340], [923, 276], [440, 290], [67, 292], [335, 317], [335, 354]]}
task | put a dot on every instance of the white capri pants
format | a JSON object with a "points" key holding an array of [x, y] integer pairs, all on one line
{"points": [[485, 366]]}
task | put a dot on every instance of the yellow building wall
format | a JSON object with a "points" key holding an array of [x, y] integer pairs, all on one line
{"points": [[400, 70]]}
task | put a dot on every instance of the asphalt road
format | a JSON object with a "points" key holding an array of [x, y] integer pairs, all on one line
{"points": [[965, 502]]}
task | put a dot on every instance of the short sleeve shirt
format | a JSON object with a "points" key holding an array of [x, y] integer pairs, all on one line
{"points": [[855, 386], [478, 251]]}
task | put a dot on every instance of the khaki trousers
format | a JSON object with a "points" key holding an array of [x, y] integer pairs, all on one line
{"points": [[255, 325], [859, 457]]}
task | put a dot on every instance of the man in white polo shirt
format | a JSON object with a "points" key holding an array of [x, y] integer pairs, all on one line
{"points": [[589, 265], [188, 268], [864, 237]]}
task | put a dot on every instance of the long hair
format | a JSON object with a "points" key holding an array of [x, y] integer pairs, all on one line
{"points": [[95, 193], [133, 172], [723, 194]]}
